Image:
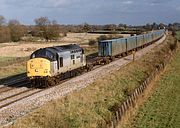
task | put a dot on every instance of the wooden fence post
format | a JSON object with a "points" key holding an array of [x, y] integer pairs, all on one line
{"points": [[125, 107], [117, 115], [120, 113]]}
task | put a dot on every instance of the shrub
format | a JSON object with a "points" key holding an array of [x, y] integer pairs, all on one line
{"points": [[92, 42], [173, 45]]}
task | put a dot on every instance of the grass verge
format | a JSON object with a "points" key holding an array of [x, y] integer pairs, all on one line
{"points": [[12, 65], [6, 61], [178, 35], [94, 105], [162, 110]]}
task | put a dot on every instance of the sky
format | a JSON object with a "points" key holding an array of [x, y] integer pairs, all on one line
{"points": [[131, 12]]}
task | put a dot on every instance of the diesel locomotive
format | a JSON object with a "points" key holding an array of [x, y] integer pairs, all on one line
{"points": [[49, 63]]}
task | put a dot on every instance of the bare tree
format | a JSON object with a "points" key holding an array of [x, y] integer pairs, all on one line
{"points": [[4, 31], [54, 30], [42, 21], [148, 26], [155, 26], [110, 27], [86, 27], [2, 20], [161, 25], [16, 30], [46, 29]]}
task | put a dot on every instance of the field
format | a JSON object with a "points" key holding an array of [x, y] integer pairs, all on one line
{"points": [[162, 108], [94, 105], [22, 49], [12, 66], [178, 35]]}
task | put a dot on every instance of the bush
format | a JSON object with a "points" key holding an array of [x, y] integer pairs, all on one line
{"points": [[4, 34], [92, 42], [173, 33], [109, 37], [173, 46], [103, 37]]}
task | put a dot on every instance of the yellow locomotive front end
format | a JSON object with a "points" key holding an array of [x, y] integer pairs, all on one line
{"points": [[38, 67]]}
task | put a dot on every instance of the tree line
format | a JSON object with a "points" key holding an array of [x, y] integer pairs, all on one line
{"points": [[46, 29], [11, 31]]}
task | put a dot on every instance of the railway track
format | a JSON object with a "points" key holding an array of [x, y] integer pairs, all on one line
{"points": [[6, 90], [14, 81], [13, 85], [17, 97], [9, 88], [6, 101]]}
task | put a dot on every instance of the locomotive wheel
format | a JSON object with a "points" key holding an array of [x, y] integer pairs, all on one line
{"points": [[89, 67], [113, 58], [107, 61]]}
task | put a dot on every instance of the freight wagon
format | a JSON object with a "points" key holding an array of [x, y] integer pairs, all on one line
{"points": [[111, 48]]}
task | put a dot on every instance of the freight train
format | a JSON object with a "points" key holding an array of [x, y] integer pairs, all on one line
{"points": [[48, 66]]}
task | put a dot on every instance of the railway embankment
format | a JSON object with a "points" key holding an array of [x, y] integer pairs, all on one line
{"points": [[97, 104], [159, 106]]}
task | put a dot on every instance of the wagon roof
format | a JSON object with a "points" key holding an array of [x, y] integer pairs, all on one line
{"points": [[112, 40], [50, 52]]}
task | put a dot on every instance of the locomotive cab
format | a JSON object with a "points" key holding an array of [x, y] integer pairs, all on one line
{"points": [[40, 63], [38, 67]]}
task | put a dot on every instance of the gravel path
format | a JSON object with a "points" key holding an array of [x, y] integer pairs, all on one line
{"points": [[20, 108]]}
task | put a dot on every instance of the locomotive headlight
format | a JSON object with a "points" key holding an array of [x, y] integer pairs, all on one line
{"points": [[46, 71], [31, 65]]}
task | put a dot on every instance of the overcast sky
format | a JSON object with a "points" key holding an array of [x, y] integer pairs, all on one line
{"points": [[134, 12]]}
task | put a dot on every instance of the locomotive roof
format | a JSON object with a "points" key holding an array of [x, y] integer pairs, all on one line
{"points": [[50, 52], [112, 40], [66, 47], [62, 48]]}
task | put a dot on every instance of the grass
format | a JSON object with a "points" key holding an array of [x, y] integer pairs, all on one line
{"points": [[178, 35], [12, 65], [90, 49], [6, 61], [12, 70], [162, 110], [95, 104]]}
